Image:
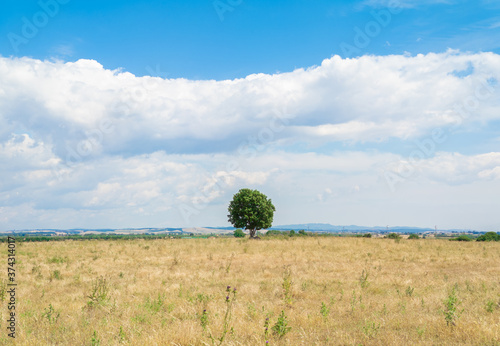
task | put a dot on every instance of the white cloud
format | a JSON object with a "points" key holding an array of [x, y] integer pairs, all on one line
{"points": [[454, 168], [365, 99], [106, 148], [405, 3]]}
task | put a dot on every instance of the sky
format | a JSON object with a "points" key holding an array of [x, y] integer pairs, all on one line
{"points": [[128, 114]]}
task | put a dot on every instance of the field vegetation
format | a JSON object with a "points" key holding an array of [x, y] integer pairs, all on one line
{"points": [[279, 291]]}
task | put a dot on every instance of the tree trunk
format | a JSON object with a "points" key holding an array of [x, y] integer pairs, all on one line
{"points": [[252, 233]]}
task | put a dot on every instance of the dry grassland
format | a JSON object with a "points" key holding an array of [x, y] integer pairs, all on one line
{"points": [[333, 291]]}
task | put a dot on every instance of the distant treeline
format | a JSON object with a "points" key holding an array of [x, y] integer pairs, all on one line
{"points": [[489, 236], [303, 233], [103, 236]]}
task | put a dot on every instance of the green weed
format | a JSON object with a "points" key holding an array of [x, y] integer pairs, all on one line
{"points": [[451, 312], [287, 286], [281, 327], [99, 293], [51, 314]]}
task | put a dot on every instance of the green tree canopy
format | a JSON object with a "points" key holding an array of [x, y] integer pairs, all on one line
{"points": [[489, 236], [238, 233], [251, 210]]}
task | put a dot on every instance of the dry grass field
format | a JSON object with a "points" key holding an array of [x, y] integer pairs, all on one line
{"points": [[332, 291]]}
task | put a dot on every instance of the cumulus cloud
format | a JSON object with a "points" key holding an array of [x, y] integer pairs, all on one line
{"points": [[365, 99], [445, 168], [111, 149]]}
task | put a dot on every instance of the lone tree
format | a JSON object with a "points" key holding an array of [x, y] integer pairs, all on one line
{"points": [[251, 210]]}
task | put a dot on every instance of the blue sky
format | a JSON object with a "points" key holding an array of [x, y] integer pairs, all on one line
{"points": [[189, 39], [372, 112]]}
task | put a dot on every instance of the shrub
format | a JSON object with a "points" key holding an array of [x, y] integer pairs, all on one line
{"points": [[394, 236], [413, 236], [292, 233], [273, 233], [489, 236], [461, 238], [302, 232], [367, 235], [239, 233]]}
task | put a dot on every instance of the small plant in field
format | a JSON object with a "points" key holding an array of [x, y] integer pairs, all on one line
{"points": [[175, 260], [267, 322], [203, 298], [370, 329], [409, 291], [230, 299], [413, 236], [252, 311], [95, 341], [56, 274], [204, 319], [420, 331], [287, 286], [37, 270], [170, 307], [3, 289], [402, 305], [228, 266], [451, 312], [490, 306], [121, 335], [324, 310], [50, 314], [363, 279], [281, 327], [56, 259], [353, 301], [99, 293], [155, 305]]}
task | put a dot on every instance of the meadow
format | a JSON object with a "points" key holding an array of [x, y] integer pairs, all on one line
{"points": [[290, 291]]}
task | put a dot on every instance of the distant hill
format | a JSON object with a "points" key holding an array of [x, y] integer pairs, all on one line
{"points": [[325, 227], [312, 227]]}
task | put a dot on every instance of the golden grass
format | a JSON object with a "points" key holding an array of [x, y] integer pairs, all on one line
{"points": [[159, 289]]}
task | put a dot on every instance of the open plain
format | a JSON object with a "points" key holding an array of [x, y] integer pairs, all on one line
{"points": [[304, 290]]}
